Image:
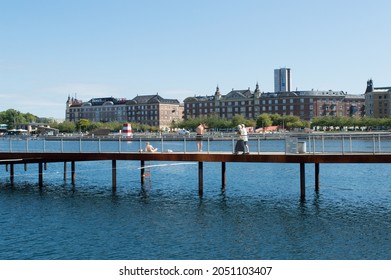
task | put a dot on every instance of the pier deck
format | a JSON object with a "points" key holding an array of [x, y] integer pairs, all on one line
{"points": [[40, 158], [272, 157]]}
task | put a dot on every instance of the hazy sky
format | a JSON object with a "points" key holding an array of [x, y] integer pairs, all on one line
{"points": [[96, 48]]}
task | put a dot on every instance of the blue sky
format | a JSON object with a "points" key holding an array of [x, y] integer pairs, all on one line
{"points": [[96, 48]]}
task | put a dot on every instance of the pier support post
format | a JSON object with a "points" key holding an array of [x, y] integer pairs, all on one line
{"points": [[73, 172], [317, 177], [223, 176], [114, 175], [65, 171], [12, 174], [40, 174], [302, 180], [142, 171], [200, 178]]}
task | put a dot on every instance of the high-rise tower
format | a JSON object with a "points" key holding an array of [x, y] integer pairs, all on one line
{"points": [[282, 80]]}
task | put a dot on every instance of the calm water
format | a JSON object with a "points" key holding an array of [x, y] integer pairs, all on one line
{"points": [[259, 216]]}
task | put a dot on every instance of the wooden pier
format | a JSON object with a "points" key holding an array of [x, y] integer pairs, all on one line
{"points": [[9, 159]]}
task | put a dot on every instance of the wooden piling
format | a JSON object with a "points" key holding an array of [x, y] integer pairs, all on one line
{"points": [[65, 171], [12, 174], [142, 171], [73, 172], [223, 176], [317, 177], [200, 178], [114, 175], [40, 174], [302, 180]]}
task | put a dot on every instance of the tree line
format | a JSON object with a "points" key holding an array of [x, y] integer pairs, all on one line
{"points": [[13, 117], [329, 121], [262, 121]]}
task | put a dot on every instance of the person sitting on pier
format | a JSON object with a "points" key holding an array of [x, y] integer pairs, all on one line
{"points": [[149, 148]]}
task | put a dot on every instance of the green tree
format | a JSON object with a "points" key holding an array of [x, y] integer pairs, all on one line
{"points": [[66, 127], [12, 117], [277, 119], [264, 120], [238, 119], [83, 124]]}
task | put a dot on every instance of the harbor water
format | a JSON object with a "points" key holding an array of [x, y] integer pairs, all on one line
{"points": [[259, 216]]}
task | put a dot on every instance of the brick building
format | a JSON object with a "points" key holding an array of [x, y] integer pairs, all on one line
{"points": [[250, 104], [152, 110]]}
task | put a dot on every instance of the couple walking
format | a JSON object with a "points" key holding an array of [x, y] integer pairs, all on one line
{"points": [[241, 144]]}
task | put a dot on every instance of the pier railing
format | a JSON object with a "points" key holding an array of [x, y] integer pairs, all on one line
{"points": [[341, 143], [346, 143]]}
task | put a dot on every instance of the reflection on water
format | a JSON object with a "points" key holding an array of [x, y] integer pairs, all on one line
{"points": [[66, 224]]}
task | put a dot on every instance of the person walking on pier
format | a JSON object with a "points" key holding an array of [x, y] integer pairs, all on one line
{"points": [[241, 144], [239, 147], [244, 137], [200, 130]]}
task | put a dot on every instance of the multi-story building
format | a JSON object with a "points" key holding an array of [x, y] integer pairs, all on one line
{"points": [[310, 104], [377, 101], [283, 101], [282, 80], [250, 104], [243, 102], [152, 110]]}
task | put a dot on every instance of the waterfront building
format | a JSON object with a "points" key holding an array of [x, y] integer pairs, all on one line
{"points": [[282, 80], [377, 101], [3, 127], [313, 103], [242, 102], [250, 104], [152, 110]]}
